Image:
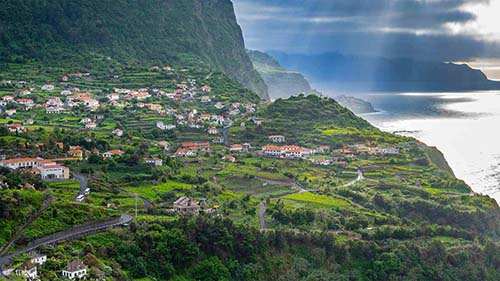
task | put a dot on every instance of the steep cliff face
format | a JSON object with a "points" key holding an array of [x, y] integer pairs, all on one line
{"points": [[280, 82], [146, 31]]}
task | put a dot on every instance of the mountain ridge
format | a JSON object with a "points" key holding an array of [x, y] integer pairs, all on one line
{"points": [[168, 31], [374, 74]]}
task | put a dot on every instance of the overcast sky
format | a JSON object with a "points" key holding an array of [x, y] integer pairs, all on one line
{"points": [[446, 30]]}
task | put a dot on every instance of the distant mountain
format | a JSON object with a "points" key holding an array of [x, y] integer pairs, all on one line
{"points": [[356, 105], [156, 31], [280, 82], [357, 74]]}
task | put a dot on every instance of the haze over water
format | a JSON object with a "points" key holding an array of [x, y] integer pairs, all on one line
{"points": [[464, 126]]}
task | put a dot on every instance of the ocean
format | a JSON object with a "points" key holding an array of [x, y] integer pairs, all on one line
{"points": [[464, 126]]}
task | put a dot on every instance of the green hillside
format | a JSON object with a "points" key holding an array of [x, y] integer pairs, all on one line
{"points": [[144, 32]]}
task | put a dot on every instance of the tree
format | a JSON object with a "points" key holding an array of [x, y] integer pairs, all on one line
{"points": [[211, 269]]}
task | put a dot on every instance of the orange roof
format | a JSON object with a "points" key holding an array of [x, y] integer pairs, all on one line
{"points": [[19, 160], [271, 147]]}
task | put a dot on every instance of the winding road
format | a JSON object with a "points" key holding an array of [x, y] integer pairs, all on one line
{"points": [[73, 233], [360, 177]]}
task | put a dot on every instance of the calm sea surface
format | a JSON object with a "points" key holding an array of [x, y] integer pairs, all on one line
{"points": [[464, 126]]}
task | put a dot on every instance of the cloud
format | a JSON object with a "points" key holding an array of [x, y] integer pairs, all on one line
{"points": [[430, 29]]}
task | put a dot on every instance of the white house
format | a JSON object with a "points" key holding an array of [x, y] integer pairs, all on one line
{"points": [[118, 132], [53, 172], [48, 87], [213, 131], [75, 270], [85, 120], [162, 126], [154, 161], [27, 270], [38, 259], [277, 138], [112, 153], [91, 125]]}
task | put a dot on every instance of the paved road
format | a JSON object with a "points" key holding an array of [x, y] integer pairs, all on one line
{"points": [[360, 177], [262, 214], [83, 181], [75, 232]]}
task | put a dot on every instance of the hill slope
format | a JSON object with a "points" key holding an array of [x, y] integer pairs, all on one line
{"points": [[280, 82], [133, 31]]}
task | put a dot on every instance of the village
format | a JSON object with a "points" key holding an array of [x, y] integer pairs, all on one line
{"points": [[59, 133]]}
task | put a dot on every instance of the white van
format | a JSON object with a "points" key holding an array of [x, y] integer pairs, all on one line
{"points": [[80, 198], [87, 191]]}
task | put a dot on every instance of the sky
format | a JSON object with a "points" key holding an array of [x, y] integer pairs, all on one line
{"points": [[444, 30]]}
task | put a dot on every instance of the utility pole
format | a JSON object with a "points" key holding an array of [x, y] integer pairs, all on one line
{"points": [[135, 195]]}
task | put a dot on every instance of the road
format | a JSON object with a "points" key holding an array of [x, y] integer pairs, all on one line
{"points": [[360, 177], [75, 232], [83, 181], [262, 214]]}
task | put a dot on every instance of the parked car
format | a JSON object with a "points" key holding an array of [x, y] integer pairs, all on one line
{"points": [[87, 191], [80, 198]]}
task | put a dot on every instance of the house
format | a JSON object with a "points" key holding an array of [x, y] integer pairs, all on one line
{"points": [[213, 131], [60, 145], [8, 99], [66, 93], [117, 132], [387, 151], [54, 101], [196, 146], [236, 147], [15, 128], [53, 172], [162, 126], [91, 103], [219, 105], [86, 120], [206, 99], [121, 91], [113, 97], [54, 110], [48, 87], [246, 147], [25, 93], [19, 163], [164, 144], [272, 151], [184, 205], [111, 153], [205, 117], [38, 259], [25, 102], [277, 138], [154, 161], [91, 125], [76, 152], [28, 271], [153, 107], [229, 158], [10, 112], [182, 152], [206, 89], [75, 270]]}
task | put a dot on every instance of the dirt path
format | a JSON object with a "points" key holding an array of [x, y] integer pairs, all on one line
{"points": [[262, 214], [360, 177]]}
